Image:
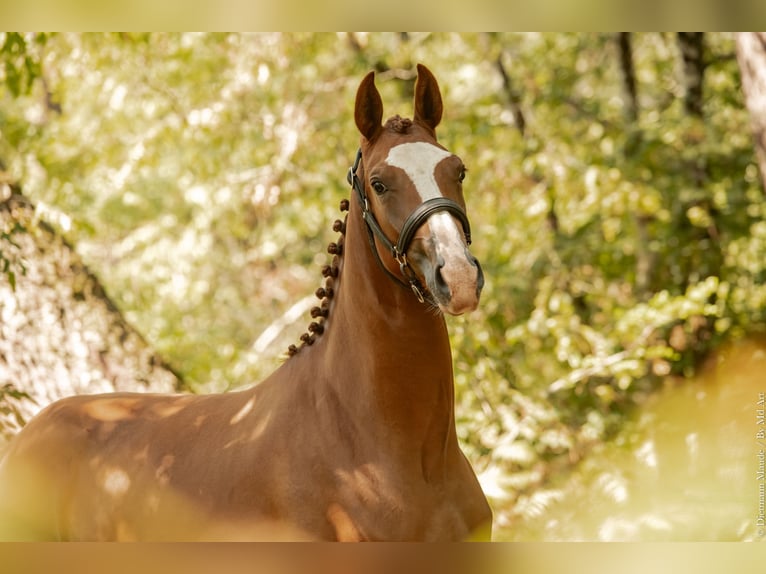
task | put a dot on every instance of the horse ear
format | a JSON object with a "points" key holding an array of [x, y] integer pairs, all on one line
{"points": [[428, 99], [368, 111]]}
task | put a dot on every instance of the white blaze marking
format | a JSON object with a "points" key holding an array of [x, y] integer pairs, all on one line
{"points": [[419, 160]]}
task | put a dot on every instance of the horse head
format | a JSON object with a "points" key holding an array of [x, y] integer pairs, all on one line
{"points": [[412, 189]]}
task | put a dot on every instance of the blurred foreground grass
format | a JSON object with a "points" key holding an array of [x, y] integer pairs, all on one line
{"points": [[683, 469]]}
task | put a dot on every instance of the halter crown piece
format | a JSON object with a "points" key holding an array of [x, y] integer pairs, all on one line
{"points": [[415, 220]]}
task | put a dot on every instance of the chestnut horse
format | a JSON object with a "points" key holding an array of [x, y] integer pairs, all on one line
{"points": [[351, 438]]}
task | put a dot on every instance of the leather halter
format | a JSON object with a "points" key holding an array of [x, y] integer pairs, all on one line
{"points": [[415, 220]]}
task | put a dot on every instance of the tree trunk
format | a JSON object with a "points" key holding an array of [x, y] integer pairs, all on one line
{"points": [[751, 56], [60, 334], [645, 258], [692, 45], [628, 73], [514, 98]]}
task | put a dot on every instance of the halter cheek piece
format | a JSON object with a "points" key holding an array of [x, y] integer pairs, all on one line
{"points": [[415, 220]]}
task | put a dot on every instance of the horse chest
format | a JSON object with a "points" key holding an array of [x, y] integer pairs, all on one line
{"points": [[381, 502]]}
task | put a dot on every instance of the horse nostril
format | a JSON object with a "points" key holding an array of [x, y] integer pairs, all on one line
{"points": [[479, 272], [479, 278], [441, 284]]}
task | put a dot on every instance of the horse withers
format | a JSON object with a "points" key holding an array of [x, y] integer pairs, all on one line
{"points": [[351, 438]]}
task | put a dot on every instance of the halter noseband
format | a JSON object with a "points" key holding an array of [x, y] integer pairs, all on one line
{"points": [[415, 220]]}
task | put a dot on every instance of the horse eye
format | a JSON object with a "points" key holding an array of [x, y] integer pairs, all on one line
{"points": [[379, 187], [461, 176]]}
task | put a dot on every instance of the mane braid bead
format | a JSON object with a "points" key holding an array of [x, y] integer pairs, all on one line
{"points": [[316, 327], [308, 339], [344, 204], [328, 290], [317, 312], [330, 271]]}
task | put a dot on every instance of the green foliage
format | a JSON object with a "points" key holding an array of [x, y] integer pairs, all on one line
{"points": [[21, 67], [199, 175], [19, 56], [10, 262]]}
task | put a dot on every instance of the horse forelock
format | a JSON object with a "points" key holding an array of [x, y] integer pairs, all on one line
{"points": [[398, 124]]}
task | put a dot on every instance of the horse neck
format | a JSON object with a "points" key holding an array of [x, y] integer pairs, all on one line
{"points": [[383, 350]]}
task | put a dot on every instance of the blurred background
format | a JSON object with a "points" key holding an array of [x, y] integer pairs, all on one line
{"points": [[166, 200]]}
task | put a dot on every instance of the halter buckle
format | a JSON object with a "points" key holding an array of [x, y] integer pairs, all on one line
{"points": [[409, 274], [418, 293]]}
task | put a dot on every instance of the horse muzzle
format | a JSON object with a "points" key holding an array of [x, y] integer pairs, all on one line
{"points": [[456, 283]]}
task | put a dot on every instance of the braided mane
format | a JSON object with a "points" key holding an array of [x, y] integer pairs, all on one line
{"points": [[327, 292]]}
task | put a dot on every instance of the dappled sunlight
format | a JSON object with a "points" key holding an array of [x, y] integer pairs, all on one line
{"points": [[111, 409], [363, 484], [162, 474], [342, 523], [117, 408], [260, 427], [170, 408], [115, 481], [243, 412]]}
